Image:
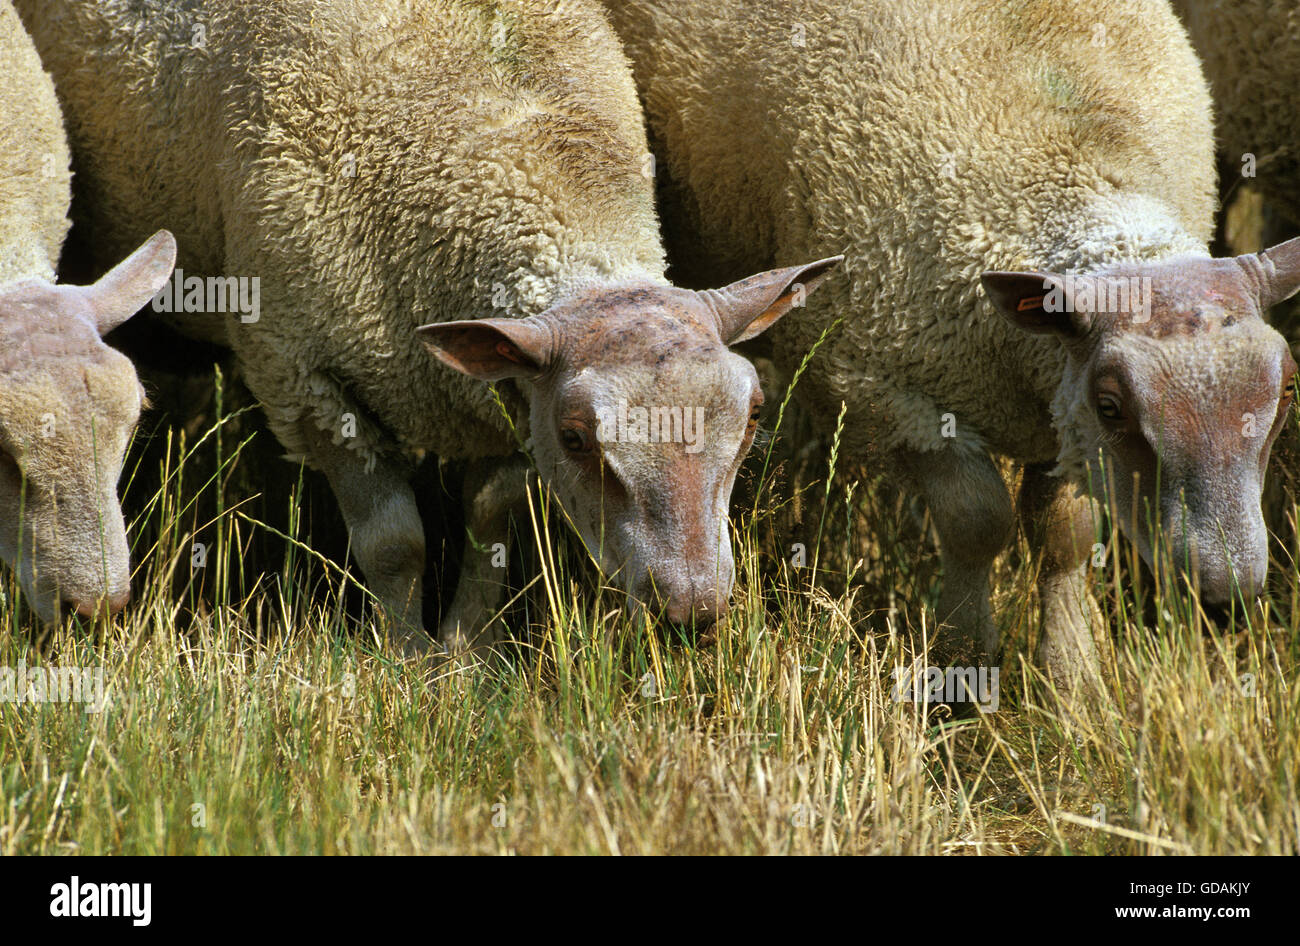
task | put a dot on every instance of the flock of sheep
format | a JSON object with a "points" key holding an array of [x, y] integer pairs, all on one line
{"points": [[1005, 209]]}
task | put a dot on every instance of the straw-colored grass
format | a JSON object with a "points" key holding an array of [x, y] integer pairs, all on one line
{"points": [[252, 708]]}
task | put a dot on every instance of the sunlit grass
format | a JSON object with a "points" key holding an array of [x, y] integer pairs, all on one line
{"points": [[253, 708]]}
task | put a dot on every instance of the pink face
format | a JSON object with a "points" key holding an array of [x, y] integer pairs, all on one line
{"points": [[68, 406], [640, 416], [1185, 428], [1173, 401], [640, 427]]}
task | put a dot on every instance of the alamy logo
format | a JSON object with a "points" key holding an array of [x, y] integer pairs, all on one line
{"points": [[78, 899], [24, 684], [1117, 295], [978, 685], [212, 295], [651, 425]]}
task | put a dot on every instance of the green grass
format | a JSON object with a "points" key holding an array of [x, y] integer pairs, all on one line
{"points": [[253, 710]]}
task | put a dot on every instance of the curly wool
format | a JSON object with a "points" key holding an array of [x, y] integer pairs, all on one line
{"points": [[378, 165], [35, 183], [1251, 52], [929, 141]]}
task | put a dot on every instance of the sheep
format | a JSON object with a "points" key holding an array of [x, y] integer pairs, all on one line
{"points": [[453, 177], [986, 165], [68, 402], [1251, 53]]}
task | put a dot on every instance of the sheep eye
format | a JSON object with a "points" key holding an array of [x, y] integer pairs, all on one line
{"points": [[575, 440], [1288, 399], [1108, 408], [755, 413]]}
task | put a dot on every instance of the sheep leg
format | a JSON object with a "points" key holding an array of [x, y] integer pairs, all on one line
{"points": [[494, 490], [1060, 527], [385, 532], [972, 513]]}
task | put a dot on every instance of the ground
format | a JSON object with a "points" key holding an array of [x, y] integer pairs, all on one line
{"points": [[251, 708]]}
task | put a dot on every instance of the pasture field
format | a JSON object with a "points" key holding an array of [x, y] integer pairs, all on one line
{"points": [[248, 700], [251, 708]]}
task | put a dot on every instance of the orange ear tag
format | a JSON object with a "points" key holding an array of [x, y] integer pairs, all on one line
{"points": [[1034, 302]]}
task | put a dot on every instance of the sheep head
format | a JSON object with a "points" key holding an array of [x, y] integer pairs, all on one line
{"points": [[68, 405], [1175, 389], [640, 416]]}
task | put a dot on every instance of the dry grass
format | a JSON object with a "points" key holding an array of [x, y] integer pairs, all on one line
{"points": [[254, 687]]}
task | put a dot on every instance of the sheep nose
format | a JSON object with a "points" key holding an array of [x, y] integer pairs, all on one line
{"points": [[104, 607], [700, 609], [1222, 586]]}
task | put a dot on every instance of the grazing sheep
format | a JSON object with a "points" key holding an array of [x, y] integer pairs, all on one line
{"points": [[949, 143], [1251, 53], [482, 166], [68, 402]]}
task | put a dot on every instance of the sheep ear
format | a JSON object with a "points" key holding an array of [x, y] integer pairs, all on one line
{"points": [[490, 349], [127, 287], [1034, 302], [749, 307], [1279, 272]]}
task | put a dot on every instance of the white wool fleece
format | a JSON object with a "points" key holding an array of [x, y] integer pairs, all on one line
{"points": [[929, 141], [1251, 52], [310, 144], [35, 186]]}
